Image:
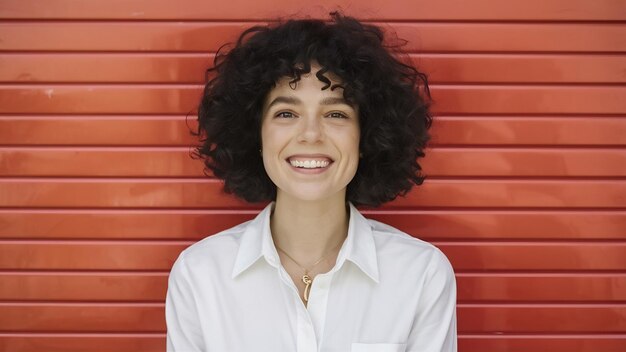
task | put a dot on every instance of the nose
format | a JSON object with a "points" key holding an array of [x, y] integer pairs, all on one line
{"points": [[311, 129]]}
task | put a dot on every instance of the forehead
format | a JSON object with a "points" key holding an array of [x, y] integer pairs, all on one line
{"points": [[309, 80], [308, 86], [307, 89]]}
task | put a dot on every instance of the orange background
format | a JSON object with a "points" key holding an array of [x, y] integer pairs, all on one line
{"points": [[527, 187]]}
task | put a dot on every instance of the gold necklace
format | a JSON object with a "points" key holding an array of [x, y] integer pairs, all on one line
{"points": [[306, 279]]}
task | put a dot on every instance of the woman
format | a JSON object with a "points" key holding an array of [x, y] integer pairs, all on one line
{"points": [[316, 118]]}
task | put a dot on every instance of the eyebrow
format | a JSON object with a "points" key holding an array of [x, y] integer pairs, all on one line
{"points": [[296, 101]]}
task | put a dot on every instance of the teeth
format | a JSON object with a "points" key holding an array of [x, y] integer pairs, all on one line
{"points": [[309, 164]]}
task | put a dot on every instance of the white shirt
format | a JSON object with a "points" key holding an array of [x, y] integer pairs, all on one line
{"points": [[388, 292]]}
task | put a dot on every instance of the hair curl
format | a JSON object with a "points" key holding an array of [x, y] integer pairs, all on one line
{"points": [[394, 114]]}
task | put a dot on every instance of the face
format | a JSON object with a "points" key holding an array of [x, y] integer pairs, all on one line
{"points": [[310, 139]]}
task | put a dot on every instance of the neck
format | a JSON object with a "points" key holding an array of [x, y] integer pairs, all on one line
{"points": [[309, 230]]}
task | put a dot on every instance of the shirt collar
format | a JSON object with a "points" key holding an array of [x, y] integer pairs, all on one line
{"points": [[359, 247]]}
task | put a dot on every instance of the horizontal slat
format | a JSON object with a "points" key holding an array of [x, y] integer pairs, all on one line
{"points": [[82, 342], [111, 162], [521, 193], [237, 9], [471, 319], [204, 193], [527, 99], [160, 99], [82, 317], [115, 193], [143, 287], [175, 131], [189, 68], [455, 162], [156, 342], [146, 130], [176, 225], [545, 225], [541, 287], [527, 131], [485, 68], [535, 319], [50, 255], [103, 67], [536, 256], [83, 287], [89, 256], [99, 99], [194, 225], [208, 37], [542, 343]]}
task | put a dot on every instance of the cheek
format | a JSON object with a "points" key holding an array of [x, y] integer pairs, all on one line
{"points": [[352, 142], [266, 147], [268, 136], [272, 141], [263, 132], [355, 157]]}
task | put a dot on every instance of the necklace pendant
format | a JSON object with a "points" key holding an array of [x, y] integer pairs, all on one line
{"points": [[306, 279]]}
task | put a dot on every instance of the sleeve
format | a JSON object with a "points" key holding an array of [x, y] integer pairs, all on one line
{"points": [[183, 324], [434, 327]]}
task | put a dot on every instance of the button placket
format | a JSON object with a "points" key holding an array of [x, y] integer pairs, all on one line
{"points": [[306, 338], [318, 300], [306, 334]]}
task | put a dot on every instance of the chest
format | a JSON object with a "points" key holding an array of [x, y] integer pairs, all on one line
{"points": [[263, 310]]}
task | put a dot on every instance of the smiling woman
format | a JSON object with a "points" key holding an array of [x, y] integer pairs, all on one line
{"points": [[315, 118], [309, 131]]}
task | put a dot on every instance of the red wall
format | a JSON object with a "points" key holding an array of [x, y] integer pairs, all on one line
{"points": [[526, 194]]}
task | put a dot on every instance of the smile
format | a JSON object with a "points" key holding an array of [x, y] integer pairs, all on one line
{"points": [[309, 164]]}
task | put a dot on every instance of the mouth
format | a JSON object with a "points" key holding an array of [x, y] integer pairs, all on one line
{"points": [[310, 162]]}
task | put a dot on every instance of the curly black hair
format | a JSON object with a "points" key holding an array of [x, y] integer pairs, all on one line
{"points": [[393, 100]]}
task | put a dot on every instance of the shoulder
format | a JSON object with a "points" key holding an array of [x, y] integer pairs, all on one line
{"points": [[408, 251], [214, 248]]}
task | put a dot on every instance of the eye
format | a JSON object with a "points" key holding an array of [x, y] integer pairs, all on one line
{"points": [[284, 114], [338, 115]]}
